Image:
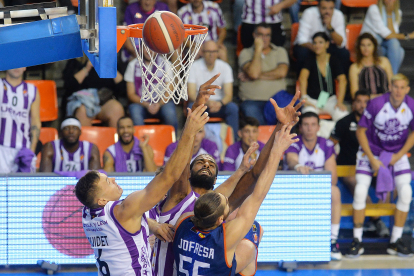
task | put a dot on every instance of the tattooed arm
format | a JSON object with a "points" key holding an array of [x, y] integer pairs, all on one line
{"points": [[35, 122]]}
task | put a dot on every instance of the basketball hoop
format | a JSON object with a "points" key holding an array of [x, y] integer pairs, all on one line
{"points": [[165, 75]]}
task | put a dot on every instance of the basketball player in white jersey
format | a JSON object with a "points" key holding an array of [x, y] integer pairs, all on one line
{"points": [[68, 154], [118, 229], [182, 195], [313, 153], [19, 119]]}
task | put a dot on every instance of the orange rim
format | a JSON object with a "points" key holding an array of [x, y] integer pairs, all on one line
{"points": [[135, 30]]}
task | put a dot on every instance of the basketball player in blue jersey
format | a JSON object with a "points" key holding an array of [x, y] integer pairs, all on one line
{"points": [[19, 121], [203, 243], [118, 229], [182, 195], [247, 250], [69, 154], [129, 154]]}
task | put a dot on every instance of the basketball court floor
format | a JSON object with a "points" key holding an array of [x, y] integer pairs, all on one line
{"points": [[368, 265]]}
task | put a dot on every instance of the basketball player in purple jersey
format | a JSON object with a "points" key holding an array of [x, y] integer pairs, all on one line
{"points": [[68, 154], [385, 131], [204, 243], [20, 120], [118, 229], [129, 154], [313, 153], [182, 195]]}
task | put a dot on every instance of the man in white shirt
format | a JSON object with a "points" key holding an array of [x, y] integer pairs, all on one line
{"points": [[323, 18], [220, 105]]}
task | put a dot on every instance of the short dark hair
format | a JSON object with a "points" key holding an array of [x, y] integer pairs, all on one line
{"points": [[322, 35], [86, 188], [362, 92], [122, 118], [308, 114], [207, 209], [262, 25], [215, 163], [319, 1], [251, 121]]}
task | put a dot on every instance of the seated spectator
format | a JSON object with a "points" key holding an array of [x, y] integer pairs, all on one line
{"points": [[143, 110], [129, 154], [313, 153], [370, 72], [257, 12], [220, 104], [323, 18], [68, 154], [79, 75], [208, 14], [20, 123], [201, 146], [295, 8], [383, 21], [385, 135], [248, 133], [317, 81], [136, 13], [264, 67], [344, 134]]}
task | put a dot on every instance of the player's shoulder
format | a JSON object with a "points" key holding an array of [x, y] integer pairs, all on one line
{"points": [[325, 143], [409, 101], [208, 144], [211, 4], [184, 9]]}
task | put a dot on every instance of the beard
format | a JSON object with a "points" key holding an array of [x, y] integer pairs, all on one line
{"points": [[70, 144], [202, 181], [123, 142]]}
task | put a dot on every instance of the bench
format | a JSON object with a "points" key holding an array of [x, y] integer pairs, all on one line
{"points": [[371, 210]]}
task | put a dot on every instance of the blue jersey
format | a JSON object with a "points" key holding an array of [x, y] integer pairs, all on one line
{"points": [[254, 237], [199, 252]]}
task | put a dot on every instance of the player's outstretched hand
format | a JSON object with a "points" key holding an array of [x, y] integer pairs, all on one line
{"points": [[196, 119], [205, 91], [247, 163], [290, 113], [165, 232], [283, 138]]}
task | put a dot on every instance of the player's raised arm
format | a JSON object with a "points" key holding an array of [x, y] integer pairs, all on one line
{"points": [[286, 115], [141, 201], [248, 210]]}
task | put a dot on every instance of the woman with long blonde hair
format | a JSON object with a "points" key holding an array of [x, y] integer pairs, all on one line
{"points": [[370, 71], [383, 21]]}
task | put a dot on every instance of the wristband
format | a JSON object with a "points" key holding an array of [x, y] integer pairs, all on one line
{"points": [[297, 166], [406, 36], [331, 30]]}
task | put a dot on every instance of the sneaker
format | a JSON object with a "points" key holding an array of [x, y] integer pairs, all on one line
{"points": [[399, 248], [381, 229], [356, 249], [336, 255]]}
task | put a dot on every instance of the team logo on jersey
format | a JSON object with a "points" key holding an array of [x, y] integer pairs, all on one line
{"points": [[25, 92], [201, 235], [392, 126], [316, 151], [310, 164], [254, 228], [138, 15], [81, 157], [403, 110], [255, 238]]}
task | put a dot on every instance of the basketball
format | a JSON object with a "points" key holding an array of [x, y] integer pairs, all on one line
{"points": [[62, 224], [163, 32]]}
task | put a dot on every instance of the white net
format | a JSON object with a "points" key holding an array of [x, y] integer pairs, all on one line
{"points": [[165, 76]]}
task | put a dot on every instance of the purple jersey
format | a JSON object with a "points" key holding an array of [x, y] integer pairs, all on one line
{"points": [[314, 158], [387, 127], [210, 17], [234, 156], [163, 255], [131, 161], [206, 147], [134, 13], [15, 120], [65, 161]]}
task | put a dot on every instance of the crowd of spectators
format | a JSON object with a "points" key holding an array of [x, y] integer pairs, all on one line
{"points": [[324, 74]]}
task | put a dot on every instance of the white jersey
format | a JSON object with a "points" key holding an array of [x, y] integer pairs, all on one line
{"points": [[315, 158], [64, 161], [255, 12], [163, 255], [117, 251], [15, 121]]}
